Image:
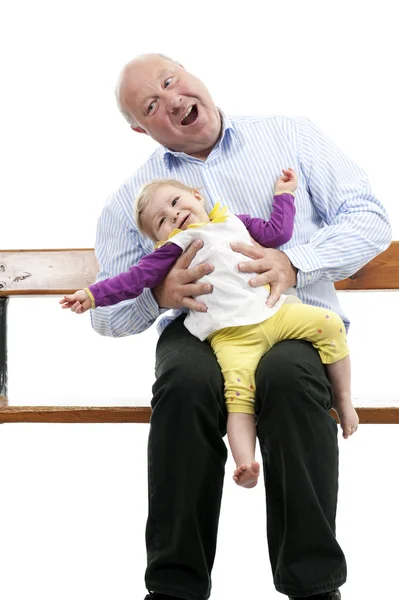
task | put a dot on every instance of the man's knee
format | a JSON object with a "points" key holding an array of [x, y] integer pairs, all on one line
{"points": [[188, 377], [190, 383], [290, 368]]}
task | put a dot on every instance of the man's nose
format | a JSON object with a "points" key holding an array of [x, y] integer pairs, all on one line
{"points": [[174, 104]]}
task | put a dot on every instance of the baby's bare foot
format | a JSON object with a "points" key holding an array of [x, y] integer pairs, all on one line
{"points": [[247, 475], [348, 420]]}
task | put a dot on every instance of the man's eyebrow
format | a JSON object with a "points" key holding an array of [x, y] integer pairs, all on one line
{"points": [[164, 72]]}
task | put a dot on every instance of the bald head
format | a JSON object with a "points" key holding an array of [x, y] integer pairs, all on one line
{"points": [[158, 97], [126, 76]]}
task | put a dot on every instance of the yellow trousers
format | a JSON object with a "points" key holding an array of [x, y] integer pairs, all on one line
{"points": [[239, 349]]}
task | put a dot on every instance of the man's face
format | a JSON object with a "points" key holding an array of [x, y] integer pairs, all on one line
{"points": [[172, 208], [171, 105]]}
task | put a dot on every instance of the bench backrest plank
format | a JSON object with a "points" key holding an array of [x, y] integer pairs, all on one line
{"points": [[46, 272], [63, 271], [382, 273]]}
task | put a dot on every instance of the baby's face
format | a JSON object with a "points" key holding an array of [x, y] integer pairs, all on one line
{"points": [[173, 208]]}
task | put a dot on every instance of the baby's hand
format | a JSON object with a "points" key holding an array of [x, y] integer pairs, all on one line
{"points": [[288, 182], [78, 302]]}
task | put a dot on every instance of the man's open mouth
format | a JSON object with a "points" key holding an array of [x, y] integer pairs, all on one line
{"points": [[191, 115]]}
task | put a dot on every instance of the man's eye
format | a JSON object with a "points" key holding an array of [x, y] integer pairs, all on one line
{"points": [[151, 107], [174, 201], [168, 81]]}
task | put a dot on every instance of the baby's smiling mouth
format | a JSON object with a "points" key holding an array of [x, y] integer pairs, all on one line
{"points": [[191, 115], [184, 222]]}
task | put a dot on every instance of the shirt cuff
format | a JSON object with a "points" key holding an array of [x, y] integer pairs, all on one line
{"points": [[147, 305], [305, 259]]}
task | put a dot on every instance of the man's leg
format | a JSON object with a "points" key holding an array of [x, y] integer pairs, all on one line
{"points": [[186, 460], [298, 441]]}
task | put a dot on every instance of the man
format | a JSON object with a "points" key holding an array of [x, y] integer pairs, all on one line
{"points": [[339, 227]]}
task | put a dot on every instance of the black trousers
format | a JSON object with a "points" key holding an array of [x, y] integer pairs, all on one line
{"points": [[186, 461]]}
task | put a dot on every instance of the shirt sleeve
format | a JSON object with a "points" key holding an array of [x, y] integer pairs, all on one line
{"points": [[278, 230], [147, 273], [356, 228]]}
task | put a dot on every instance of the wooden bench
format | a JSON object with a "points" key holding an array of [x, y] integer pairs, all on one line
{"points": [[58, 272]]}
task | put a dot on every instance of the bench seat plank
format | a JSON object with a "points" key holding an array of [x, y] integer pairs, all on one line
{"points": [[141, 414]]}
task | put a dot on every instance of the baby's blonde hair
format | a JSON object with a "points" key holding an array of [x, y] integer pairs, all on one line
{"points": [[146, 194]]}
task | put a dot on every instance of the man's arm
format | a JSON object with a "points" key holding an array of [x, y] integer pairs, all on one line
{"points": [[357, 225], [147, 273], [278, 230]]}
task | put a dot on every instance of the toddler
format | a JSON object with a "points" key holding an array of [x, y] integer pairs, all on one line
{"points": [[238, 324]]}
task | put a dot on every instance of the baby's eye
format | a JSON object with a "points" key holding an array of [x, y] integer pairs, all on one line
{"points": [[174, 201], [162, 221]]}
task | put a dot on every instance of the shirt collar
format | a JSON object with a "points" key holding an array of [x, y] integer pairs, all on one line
{"points": [[227, 130]]}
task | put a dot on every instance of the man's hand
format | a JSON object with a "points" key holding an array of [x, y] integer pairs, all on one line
{"points": [[273, 266], [179, 286]]}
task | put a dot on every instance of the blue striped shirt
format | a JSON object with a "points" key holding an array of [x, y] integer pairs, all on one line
{"points": [[339, 224]]}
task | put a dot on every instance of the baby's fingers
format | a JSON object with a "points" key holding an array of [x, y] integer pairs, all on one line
{"points": [[65, 302], [288, 175], [76, 307], [81, 307], [68, 298]]}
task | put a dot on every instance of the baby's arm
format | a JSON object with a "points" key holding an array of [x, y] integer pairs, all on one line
{"points": [[278, 230], [147, 273]]}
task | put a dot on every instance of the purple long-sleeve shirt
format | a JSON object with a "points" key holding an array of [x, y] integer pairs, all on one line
{"points": [[151, 270]]}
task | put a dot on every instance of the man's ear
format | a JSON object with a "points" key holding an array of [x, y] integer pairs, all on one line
{"points": [[138, 129]]}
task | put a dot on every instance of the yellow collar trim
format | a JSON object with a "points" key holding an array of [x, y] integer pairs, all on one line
{"points": [[217, 215]]}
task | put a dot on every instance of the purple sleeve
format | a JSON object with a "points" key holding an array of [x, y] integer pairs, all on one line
{"points": [[278, 230], [147, 273]]}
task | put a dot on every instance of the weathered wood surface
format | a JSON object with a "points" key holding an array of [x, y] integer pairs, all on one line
{"points": [[61, 271], [141, 414], [382, 273], [75, 414], [24, 272]]}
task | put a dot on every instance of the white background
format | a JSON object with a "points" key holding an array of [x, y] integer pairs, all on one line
{"points": [[74, 496]]}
